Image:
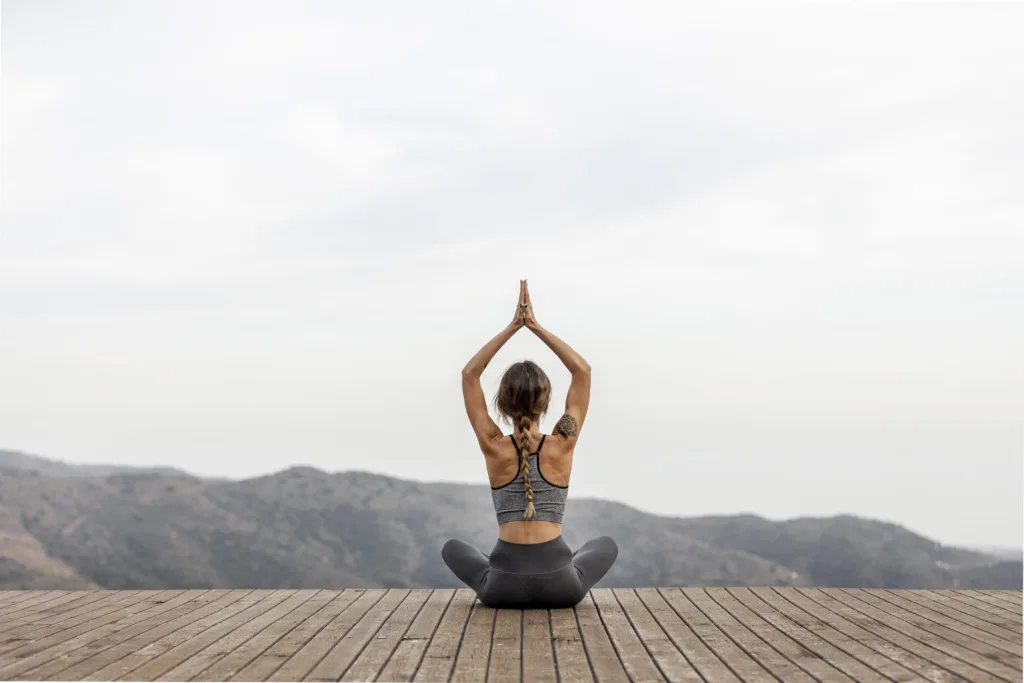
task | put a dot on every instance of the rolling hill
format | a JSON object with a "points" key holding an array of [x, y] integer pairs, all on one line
{"points": [[62, 526]]}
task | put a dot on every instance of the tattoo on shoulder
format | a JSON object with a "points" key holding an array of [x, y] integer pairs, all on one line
{"points": [[567, 426]]}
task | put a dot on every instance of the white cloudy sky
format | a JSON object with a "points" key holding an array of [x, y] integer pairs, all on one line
{"points": [[238, 236]]}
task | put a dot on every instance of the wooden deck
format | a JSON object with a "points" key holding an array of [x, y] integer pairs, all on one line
{"points": [[649, 634]]}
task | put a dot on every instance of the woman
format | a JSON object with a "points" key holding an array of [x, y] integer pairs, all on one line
{"points": [[531, 566]]}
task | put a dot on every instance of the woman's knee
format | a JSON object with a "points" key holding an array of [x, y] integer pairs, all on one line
{"points": [[452, 549], [605, 545]]}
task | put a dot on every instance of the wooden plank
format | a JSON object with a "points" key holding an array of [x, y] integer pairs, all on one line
{"points": [[163, 656], [706, 662], [55, 634], [604, 661], [738, 660], [264, 666], [821, 640], [746, 640], [670, 660], [404, 661], [310, 654], [713, 638], [35, 598], [980, 608], [180, 609], [243, 655], [571, 662], [133, 665], [7, 595], [333, 666], [712, 635], [538, 655], [1011, 596], [368, 665], [439, 659], [638, 662], [48, 602], [506, 664], [195, 666], [965, 612], [994, 605], [46, 616], [60, 644], [28, 633], [948, 655], [936, 623], [893, 657], [112, 603], [475, 650], [9, 598], [924, 660], [47, 613], [777, 639], [994, 602]]}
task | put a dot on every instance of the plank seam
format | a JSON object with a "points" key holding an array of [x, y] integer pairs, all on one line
{"points": [[490, 646], [771, 626], [846, 652], [298, 648], [729, 636], [934, 606], [118, 606], [398, 640], [913, 638], [341, 637], [522, 637], [957, 606], [980, 605], [684, 622], [583, 642], [611, 641], [632, 625], [199, 634], [928, 629], [896, 646], [87, 643], [199, 675], [462, 637], [433, 632]]}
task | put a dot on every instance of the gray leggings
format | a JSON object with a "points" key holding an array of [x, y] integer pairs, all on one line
{"points": [[545, 575]]}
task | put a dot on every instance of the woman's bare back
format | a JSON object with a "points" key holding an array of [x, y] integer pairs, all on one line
{"points": [[555, 464]]}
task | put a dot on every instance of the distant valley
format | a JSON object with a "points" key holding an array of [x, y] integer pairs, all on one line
{"points": [[69, 526]]}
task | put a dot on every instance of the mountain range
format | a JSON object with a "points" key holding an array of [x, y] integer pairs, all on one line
{"points": [[73, 526]]}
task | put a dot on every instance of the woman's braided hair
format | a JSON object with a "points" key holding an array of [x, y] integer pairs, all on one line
{"points": [[525, 444], [523, 398]]}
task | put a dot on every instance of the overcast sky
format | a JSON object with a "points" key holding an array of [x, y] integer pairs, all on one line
{"points": [[240, 236]]}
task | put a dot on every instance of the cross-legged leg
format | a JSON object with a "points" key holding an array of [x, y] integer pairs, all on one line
{"points": [[467, 563], [594, 559]]}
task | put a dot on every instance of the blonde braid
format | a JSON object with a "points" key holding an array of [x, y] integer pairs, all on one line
{"points": [[525, 444]]}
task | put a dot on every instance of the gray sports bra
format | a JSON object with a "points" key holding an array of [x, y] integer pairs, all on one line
{"points": [[548, 499]]}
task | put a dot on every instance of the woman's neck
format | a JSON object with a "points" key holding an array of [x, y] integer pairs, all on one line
{"points": [[534, 431]]}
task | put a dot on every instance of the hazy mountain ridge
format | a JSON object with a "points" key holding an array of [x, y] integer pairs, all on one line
{"points": [[16, 460], [306, 528]]}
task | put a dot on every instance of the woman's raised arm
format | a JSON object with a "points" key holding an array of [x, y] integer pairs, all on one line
{"points": [[487, 432], [578, 399]]}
